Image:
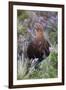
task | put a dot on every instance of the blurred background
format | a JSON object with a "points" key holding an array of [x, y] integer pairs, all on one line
{"points": [[25, 33]]}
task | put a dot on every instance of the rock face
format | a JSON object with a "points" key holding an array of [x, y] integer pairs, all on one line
{"points": [[26, 34]]}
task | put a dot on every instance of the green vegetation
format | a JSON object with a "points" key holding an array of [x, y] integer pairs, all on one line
{"points": [[53, 37], [22, 30], [22, 15], [48, 68]]}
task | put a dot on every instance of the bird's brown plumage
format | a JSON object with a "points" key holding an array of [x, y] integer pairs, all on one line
{"points": [[39, 47]]}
